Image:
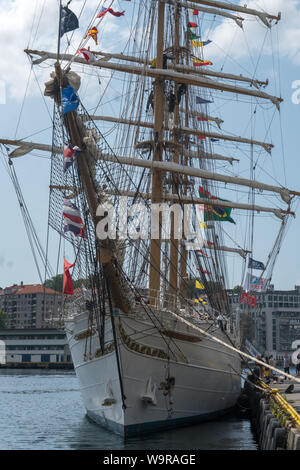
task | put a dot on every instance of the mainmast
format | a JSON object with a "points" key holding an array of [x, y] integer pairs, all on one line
{"points": [[174, 243], [156, 197]]}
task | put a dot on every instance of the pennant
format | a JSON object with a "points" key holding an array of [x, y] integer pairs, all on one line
{"points": [[93, 33], [69, 21], [199, 285], [68, 283], [256, 264], [201, 137], [199, 43], [201, 63], [214, 140], [72, 219], [200, 100], [202, 225], [203, 119], [70, 100], [192, 25], [70, 153], [200, 300], [247, 299], [203, 254], [111, 11], [192, 35], [221, 214], [89, 57]]}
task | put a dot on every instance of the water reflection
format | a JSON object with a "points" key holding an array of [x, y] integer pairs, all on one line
{"points": [[45, 411]]}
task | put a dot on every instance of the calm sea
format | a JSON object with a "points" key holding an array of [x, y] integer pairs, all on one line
{"points": [[44, 411]]}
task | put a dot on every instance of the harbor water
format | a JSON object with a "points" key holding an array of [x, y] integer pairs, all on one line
{"points": [[43, 410]]}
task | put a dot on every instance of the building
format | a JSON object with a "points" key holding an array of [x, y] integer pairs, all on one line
{"points": [[30, 306], [35, 346], [275, 324]]}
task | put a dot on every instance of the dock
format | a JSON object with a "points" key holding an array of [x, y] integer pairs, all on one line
{"points": [[274, 412]]}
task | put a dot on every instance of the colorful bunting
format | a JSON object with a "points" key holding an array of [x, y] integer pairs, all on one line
{"points": [[199, 285], [203, 254], [68, 283], [111, 11], [192, 35], [200, 43], [247, 299], [201, 63], [87, 54], [93, 33], [200, 300]]}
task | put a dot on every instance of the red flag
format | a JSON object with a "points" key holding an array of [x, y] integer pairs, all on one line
{"points": [[111, 11], [195, 12], [248, 300], [192, 25], [68, 283]]}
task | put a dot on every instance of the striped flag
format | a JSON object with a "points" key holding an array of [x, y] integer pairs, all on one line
{"points": [[72, 219], [70, 153], [200, 63], [89, 57], [111, 11]]}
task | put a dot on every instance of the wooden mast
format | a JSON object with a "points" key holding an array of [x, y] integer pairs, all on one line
{"points": [[155, 245], [174, 246]]}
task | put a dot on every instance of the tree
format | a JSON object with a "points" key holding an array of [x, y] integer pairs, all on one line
{"points": [[55, 283], [3, 319], [237, 290]]}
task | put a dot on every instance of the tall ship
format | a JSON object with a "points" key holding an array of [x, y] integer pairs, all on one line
{"points": [[140, 204]]}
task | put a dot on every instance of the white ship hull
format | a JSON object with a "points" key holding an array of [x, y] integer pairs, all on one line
{"points": [[200, 381]]}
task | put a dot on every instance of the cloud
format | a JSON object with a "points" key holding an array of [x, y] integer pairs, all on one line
{"points": [[34, 24], [229, 38]]}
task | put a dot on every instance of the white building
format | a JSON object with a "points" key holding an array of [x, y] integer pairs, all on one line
{"points": [[35, 345]]}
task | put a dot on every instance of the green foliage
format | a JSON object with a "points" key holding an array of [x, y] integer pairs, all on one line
{"points": [[55, 283], [3, 319], [237, 290]]}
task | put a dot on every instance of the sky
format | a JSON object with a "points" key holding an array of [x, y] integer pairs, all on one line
{"points": [[253, 51]]}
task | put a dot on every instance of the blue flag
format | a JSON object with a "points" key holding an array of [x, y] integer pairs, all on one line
{"points": [[256, 264], [202, 100], [70, 100], [69, 21]]}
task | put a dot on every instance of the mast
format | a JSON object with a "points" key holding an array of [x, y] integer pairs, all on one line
{"points": [[174, 243], [105, 252], [156, 197]]}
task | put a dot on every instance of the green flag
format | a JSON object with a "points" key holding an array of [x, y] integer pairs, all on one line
{"points": [[222, 214]]}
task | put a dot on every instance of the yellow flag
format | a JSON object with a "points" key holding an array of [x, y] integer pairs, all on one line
{"points": [[199, 285], [202, 225], [197, 43]]}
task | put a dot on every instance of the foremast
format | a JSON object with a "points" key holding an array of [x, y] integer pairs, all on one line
{"points": [[105, 251]]}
